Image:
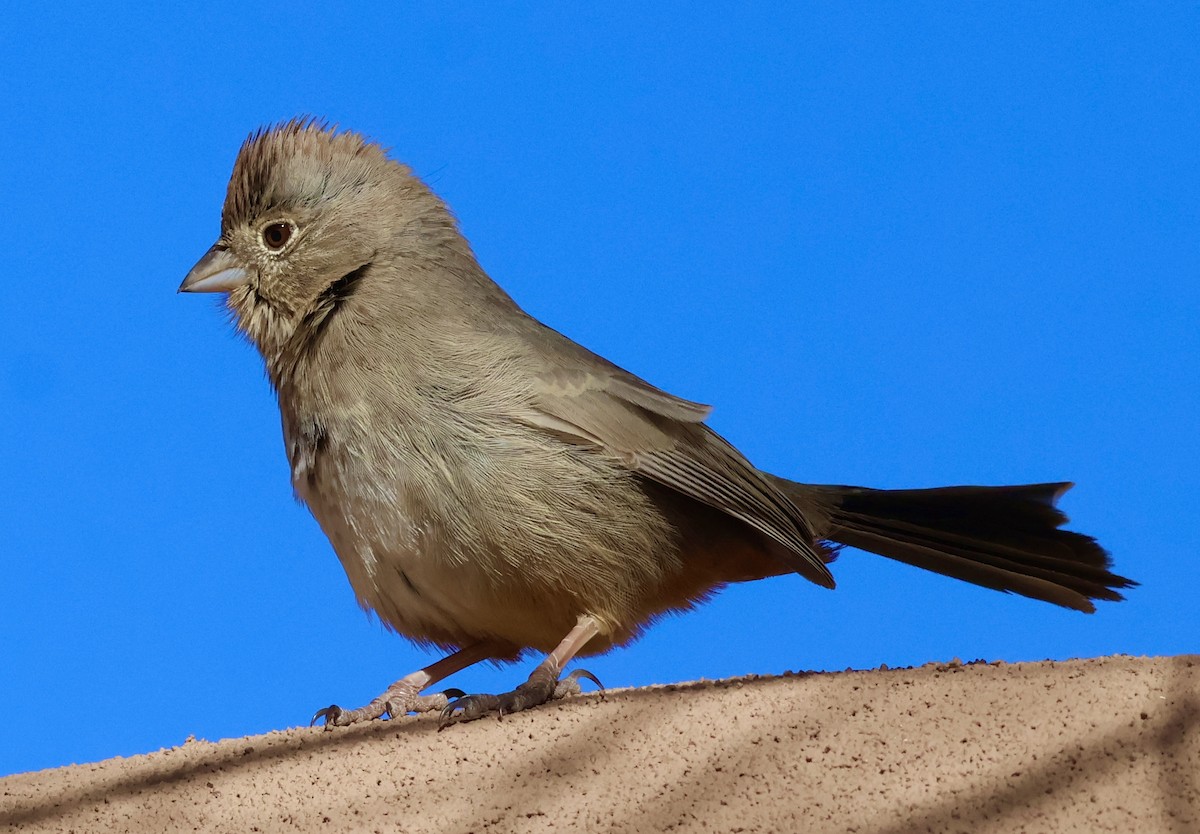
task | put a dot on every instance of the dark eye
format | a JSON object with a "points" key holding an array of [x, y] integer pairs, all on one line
{"points": [[277, 235]]}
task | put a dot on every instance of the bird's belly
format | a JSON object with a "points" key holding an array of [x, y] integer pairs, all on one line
{"points": [[402, 569], [500, 536]]}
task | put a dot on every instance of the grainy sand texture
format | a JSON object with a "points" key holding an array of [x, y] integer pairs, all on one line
{"points": [[1111, 744]]}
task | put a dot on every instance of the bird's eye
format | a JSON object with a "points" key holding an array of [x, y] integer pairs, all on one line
{"points": [[277, 235]]}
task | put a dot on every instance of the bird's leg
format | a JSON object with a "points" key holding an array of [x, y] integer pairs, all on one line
{"points": [[404, 695], [543, 684]]}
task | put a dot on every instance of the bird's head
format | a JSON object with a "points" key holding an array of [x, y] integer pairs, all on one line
{"points": [[309, 207]]}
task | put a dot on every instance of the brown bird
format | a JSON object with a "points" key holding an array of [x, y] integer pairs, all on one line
{"points": [[491, 487]]}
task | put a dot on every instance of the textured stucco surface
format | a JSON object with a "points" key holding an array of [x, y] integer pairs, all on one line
{"points": [[1111, 744]]}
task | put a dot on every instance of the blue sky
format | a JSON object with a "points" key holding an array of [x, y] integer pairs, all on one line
{"points": [[901, 245]]}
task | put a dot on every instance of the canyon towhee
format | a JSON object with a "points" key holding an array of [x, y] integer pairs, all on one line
{"points": [[491, 487]]}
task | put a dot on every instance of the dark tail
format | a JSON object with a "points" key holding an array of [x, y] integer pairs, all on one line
{"points": [[1007, 538]]}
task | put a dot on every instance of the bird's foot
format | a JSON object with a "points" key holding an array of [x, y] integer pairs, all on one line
{"points": [[400, 698], [542, 686]]}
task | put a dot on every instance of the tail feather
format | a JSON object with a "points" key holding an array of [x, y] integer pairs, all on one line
{"points": [[1006, 538]]}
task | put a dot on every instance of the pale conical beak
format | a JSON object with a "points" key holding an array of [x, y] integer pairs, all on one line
{"points": [[217, 271]]}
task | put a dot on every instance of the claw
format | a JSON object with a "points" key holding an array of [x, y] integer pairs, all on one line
{"points": [[447, 717], [571, 683], [468, 708], [330, 715]]}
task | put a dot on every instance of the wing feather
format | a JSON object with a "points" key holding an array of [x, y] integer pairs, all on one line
{"points": [[662, 438]]}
